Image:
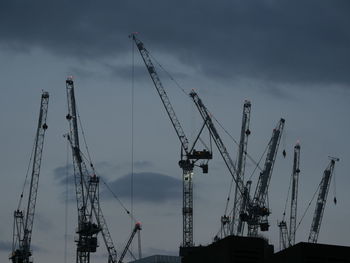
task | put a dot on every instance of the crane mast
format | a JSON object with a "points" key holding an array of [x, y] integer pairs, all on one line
{"points": [[288, 239], [90, 217], [23, 226], [239, 203], [294, 198], [259, 208], [190, 155], [135, 230], [321, 201]]}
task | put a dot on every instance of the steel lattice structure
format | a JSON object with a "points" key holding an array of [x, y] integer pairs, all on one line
{"points": [[321, 201], [23, 226], [90, 217], [190, 155]]}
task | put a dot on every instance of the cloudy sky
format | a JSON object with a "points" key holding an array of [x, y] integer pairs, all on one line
{"points": [[291, 59]]}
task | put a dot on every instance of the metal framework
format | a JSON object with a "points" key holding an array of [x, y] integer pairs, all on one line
{"points": [[321, 201], [256, 210], [237, 225], [23, 226], [294, 198], [90, 217], [189, 156], [136, 229], [283, 235], [259, 207]]}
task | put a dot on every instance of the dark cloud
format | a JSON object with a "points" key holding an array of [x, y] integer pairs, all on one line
{"points": [[156, 251], [147, 187], [278, 41]]}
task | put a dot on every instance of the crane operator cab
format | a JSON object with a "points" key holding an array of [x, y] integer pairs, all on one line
{"points": [[200, 155]]}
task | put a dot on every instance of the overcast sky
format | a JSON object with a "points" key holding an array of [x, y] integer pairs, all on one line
{"points": [[291, 59]]}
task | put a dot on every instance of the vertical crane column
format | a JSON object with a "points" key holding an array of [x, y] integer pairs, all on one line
{"points": [[237, 224], [321, 201], [294, 198], [287, 240], [23, 226], [86, 192], [187, 206]]}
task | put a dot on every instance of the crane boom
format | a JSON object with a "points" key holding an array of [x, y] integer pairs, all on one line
{"points": [[87, 194], [21, 251], [219, 143], [294, 197], [265, 176], [321, 201], [136, 228], [259, 204], [162, 94]]}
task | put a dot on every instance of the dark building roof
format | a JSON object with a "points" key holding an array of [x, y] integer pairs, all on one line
{"points": [[313, 253], [230, 249]]}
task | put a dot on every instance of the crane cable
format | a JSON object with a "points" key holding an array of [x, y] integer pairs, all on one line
{"points": [[169, 75], [285, 206], [212, 116], [111, 191], [132, 132], [88, 158], [26, 178], [307, 208]]}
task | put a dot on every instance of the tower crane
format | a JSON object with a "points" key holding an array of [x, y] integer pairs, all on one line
{"points": [[288, 239], [256, 211], [189, 156], [259, 207], [294, 198], [23, 225], [321, 201], [90, 217], [242, 154], [137, 228], [229, 227]]}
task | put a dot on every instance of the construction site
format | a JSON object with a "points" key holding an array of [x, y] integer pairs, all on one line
{"points": [[243, 225]]}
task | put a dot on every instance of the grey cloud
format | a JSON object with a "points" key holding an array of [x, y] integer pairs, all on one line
{"points": [[143, 164], [42, 222], [278, 41], [148, 187], [63, 174], [5, 246]]}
